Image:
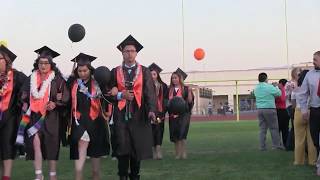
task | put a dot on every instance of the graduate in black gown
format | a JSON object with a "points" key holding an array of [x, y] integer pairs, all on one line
{"points": [[11, 82], [44, 94], [161, 89], [89, 134], [179, 124], [133, 110]]}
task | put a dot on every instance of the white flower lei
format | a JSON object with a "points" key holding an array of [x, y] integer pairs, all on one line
{"points": [[45, 84]]}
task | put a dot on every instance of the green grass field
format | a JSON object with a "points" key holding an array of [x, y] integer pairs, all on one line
{"points": [[217, 150]]}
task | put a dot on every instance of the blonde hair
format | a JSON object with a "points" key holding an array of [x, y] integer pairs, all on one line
{"points": [[181, 83], [294, 72]]}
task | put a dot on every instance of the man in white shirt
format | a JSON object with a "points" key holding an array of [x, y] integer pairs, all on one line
{"points": [[310, 89]]}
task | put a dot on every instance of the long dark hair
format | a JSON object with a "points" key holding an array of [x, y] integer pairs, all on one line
{"points": [[302, 75], [53, 65], [158, 77], [75, 71], [74, 76], [8, 61]]}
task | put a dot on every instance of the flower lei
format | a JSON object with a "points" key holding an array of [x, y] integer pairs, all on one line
{"points": [[34, 87]]}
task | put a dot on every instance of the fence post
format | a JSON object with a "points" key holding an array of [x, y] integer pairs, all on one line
{"points": [[237, 102]]}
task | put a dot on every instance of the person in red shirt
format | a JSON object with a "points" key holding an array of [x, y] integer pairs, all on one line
{"points": [[283, 116]]}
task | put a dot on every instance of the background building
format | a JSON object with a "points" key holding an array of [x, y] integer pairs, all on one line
{"points": [[220, 87]]}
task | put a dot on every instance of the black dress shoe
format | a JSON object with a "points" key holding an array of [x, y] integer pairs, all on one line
{"points": [[134, 177], [123, 177]]}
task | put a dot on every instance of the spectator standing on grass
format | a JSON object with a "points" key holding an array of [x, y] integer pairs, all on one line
{"points": [[302, 130], [210, 108], [310, 89], [265, 100], [282, 113], [290, 87]]}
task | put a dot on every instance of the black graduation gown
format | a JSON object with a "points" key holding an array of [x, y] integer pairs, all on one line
{"points": [[97, 130], [134, 137], [50, 131], [10, 120], [158, 128], [179, 126]]}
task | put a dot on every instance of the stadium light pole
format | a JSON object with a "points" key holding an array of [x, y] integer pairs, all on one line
{"points": [[286, 34], [182, 16], [237, 102]]}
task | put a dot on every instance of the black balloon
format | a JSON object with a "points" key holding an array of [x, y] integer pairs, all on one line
{"points": [[177, 105], [102, 75], [76, 32]]}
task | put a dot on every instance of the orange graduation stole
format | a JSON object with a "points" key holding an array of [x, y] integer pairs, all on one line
{"points": [[6, 93], [137, 85], [179, 92], [94, 102]]}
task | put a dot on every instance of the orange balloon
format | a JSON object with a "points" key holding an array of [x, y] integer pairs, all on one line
{"points": [[199, 54]]}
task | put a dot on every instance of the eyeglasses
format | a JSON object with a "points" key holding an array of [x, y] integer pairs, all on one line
{"points": [[129, 51], [44, 63]]}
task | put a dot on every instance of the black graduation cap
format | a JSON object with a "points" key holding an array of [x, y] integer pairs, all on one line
{"points": [[11, 55], [155, 67], [182, 73], [130, 40], [45, 51], [83, 59]]}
